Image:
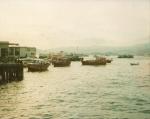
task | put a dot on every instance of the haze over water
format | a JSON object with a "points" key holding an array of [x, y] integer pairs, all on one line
{"points": [[115, 91], [65, 23]]}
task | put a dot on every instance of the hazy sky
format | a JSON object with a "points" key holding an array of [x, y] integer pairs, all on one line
{"points": [[61, 23]]}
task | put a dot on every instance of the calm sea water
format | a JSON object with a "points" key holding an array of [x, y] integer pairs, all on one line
{"points": [[114, 91]]}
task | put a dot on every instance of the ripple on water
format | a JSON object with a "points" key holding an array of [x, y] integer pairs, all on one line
{"points": [[115, 91]]}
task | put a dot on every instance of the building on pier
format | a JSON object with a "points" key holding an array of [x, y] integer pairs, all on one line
{"points": [[14, 50]]}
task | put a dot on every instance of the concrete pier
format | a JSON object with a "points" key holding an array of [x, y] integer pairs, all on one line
{"points": [[10, 72]]}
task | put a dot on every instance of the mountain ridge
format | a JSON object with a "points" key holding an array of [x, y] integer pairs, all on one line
{"points": [[140, 49]]}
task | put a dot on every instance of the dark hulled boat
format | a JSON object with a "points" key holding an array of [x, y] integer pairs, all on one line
{"points": [[38, 65], [109, 60], [97, 61], [75, 58], [125, 56], [134, 63], [61, 62]]}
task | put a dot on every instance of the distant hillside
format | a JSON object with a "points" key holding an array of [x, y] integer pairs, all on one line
{"points": [[142, 49]]}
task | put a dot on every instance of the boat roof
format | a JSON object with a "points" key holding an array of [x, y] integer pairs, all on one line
{"points": [[34, 59]]}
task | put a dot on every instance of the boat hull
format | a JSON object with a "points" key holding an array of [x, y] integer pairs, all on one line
{"points": [[61, 64], [93, 63], [109, 61], [134, 63], [125, 56], [37, 67]]}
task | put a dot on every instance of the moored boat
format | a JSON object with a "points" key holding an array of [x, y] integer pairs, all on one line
{"points": [[97, 61], [125, 56], [109, 60], [61, 62], [134, 63], [25, 61], [38, 65], [75, 58]]}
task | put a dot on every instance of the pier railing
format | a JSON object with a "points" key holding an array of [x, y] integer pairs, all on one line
{"points": [[10, 72]]}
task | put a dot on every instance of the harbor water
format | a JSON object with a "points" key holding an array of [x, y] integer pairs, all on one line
{"points": [[115, 91]]}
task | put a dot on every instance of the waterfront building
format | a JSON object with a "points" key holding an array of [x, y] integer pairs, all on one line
{"points": [[22, 52], [14, 50]]}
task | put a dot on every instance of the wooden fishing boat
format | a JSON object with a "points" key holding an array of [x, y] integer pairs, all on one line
{"points": [[75, 58], [38, 65], [61, 62], [97, 61]]}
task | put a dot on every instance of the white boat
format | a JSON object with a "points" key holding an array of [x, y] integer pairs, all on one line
{"points": [[38, 65]]}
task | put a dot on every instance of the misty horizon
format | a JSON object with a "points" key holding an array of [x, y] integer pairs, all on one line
{"points": [[52, 24]]}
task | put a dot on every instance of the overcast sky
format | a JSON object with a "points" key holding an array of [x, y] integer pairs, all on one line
{"points": [[61, 23]]}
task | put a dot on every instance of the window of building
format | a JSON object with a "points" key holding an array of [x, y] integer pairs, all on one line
{"points": [[17, 51], [4, 52], [11, 51]]}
